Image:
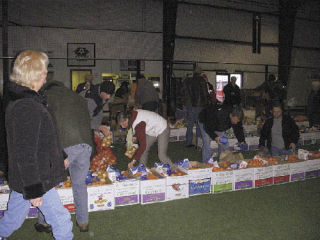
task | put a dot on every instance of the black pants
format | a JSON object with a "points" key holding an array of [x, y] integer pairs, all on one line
{"points": [[151, 106]]}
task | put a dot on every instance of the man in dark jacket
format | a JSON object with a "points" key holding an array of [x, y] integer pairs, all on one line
{"points": [[314, 104], [196, 97], [213, 124], [97, 96], [281, 133], [146, 94], [73, 122], [232, 95]]}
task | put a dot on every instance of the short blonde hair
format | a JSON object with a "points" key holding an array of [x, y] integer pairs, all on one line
{"points": [[28, 67]]}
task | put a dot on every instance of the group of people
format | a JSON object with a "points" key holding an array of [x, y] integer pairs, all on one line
{"points": [[279, 134], [50, 129]]}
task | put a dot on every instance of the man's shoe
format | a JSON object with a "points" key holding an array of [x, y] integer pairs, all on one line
{"points": [[84, 227], [3, 238], [43, 227]]}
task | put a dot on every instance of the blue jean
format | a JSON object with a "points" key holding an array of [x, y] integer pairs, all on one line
{"points": [[206, 152], [222, 146], [192, 117], [278, 151], [56, 215], [79, 163]]}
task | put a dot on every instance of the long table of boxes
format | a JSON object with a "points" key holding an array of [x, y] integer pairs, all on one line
{"points": [[202, 180]]}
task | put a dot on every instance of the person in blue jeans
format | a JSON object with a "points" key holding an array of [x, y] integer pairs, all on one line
{"points": [[73, 122], [196, 97], [35, 158], [280, 133], [213, 124]]}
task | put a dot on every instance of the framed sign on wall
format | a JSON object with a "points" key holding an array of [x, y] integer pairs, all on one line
{"points": [[81, 54]]}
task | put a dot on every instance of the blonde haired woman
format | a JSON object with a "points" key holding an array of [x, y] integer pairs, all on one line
{"points": [[36, 161]]}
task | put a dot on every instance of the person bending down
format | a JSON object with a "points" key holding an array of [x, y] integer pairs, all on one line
{"points": [[148, 127]]}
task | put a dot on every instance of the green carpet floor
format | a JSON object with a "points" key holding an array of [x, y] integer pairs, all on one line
{"points": [[289, 212]]}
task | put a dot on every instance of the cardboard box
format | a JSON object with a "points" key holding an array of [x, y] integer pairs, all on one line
{"points": [[297, 171], [222, 181], [4, 188], [4, 198], [152, 191], [243, 178], [100, 197], [66, 197], [312, 168], [174, 134], [281, 173], [199, 179], [308, 138], [126, 192], [263, 176], [177, 187]]}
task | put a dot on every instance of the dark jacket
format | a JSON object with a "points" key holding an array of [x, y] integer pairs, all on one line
{"points": [[290, 132], [232, 95], [71, 114], [215, 119], [94, 94], [314, 108], [3, 147], [35, 156], [145, 92], [195, 91]]}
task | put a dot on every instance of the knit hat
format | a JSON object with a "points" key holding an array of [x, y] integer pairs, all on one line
{"points": [[107, 87]]}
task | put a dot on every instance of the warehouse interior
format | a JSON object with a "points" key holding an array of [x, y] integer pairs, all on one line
{"points": [[166, 40]]}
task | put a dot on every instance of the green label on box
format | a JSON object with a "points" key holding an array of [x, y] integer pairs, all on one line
{"points": [[222, 187]]}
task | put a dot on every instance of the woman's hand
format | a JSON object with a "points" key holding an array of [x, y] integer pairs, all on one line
{"points": [[131, 164]]}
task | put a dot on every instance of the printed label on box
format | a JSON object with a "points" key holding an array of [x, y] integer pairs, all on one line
{"points": [[4, 198], [100, 198], [222, 181], [153, 190], [263, 176], [281, 173], [177, 187], [297, 171], [312, 168], [281, 179], [243, 178], [66, 198], [200, 186], [126, 192]]}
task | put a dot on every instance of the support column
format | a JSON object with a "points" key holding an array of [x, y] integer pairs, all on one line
{"points": [[169, 32], [288, 11]]}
